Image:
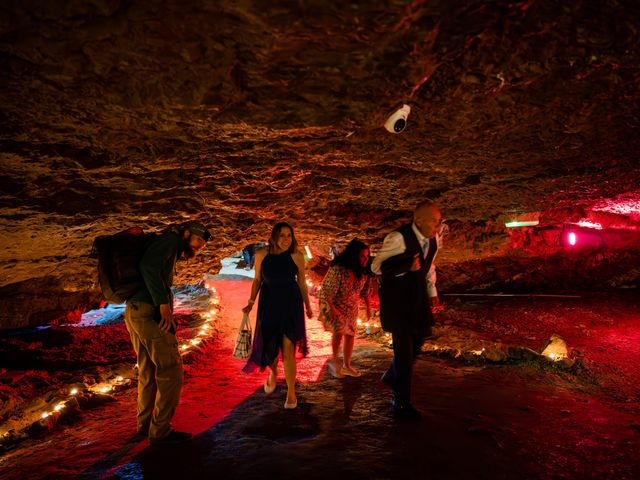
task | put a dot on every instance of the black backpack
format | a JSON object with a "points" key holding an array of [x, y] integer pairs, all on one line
{"points": [[119, 258]]}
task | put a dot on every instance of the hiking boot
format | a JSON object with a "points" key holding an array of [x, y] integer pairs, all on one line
{"points": [[171, 439]]}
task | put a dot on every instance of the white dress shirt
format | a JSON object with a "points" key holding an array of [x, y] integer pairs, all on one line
{"points": [[394, 245]]}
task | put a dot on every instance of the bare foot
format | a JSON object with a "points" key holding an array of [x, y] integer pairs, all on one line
{"points": [[270, 384], [351, 372], [335, 369], [290, 404]]}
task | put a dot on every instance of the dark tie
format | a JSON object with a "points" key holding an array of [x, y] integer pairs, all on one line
{"points": [[425, 247]]}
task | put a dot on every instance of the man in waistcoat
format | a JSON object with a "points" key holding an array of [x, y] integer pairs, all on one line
{"points": [[407, 297]]}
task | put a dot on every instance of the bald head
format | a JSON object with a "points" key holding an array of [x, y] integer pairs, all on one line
{"points": [[427, 218]]}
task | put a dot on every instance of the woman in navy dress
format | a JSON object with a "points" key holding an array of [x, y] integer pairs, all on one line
{"points": [[280, 324]]}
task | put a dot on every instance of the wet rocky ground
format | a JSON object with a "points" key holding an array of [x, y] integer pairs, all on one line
{"points": [[482, 419]]}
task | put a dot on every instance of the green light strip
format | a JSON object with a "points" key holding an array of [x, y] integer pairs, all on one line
{"points": [[529, 223]]}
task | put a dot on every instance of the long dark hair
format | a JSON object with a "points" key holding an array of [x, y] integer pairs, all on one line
{"points": [[350, 258], [273, 239]]}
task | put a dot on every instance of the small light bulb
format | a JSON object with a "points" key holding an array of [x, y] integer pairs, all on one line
{"points": [[45, 414], [119, 379], [59, 407], [184, 347], [74, 391], [105, 389], [195, 341]]}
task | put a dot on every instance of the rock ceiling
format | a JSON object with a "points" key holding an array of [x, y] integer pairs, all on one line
{"points": [[118, 113]]}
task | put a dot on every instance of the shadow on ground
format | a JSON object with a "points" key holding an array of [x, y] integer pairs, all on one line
{"points": [[479, 422]]}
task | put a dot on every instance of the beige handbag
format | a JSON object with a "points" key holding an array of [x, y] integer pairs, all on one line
{"points": [[243, 342]]}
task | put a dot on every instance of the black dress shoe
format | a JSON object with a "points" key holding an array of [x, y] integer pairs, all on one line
{"points": [[405, 411], [387, 379]]}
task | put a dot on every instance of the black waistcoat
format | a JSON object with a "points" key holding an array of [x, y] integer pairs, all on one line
{"points": [[404, 303]]}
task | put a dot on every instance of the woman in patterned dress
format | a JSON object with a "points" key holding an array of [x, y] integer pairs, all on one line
{"points": [[345, 282]]}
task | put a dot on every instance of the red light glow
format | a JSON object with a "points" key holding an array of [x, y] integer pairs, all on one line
{"points": [[627, 204], [572, 238]]}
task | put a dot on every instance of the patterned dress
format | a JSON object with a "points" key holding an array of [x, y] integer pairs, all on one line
{"points": [[343, 288]]}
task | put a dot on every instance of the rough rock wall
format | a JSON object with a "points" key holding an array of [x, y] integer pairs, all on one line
{"points": [[240, 113]]}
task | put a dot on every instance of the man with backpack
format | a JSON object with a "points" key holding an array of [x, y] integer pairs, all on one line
{"points": [[149, 320]]}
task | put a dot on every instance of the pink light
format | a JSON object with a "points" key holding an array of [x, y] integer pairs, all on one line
{"points": [[572, 238]]}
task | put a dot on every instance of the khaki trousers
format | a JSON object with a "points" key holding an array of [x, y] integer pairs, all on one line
{"points": [[160, 371]]}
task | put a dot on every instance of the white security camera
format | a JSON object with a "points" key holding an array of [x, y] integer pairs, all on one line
{"points": [[398, 119]]}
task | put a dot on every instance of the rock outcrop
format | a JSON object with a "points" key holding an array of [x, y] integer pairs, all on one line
{"points": [[119, 113]]}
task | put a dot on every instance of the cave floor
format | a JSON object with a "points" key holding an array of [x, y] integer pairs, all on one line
{"points": [[481, 420]]}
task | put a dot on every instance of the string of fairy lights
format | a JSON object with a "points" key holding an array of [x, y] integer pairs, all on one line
{"points": [[46, 418]]}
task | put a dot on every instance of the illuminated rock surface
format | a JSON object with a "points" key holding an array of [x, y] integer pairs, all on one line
{"points": [[117, 113], [238, 113]]}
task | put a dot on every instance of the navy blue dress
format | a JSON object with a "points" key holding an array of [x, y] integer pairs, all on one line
{"points": [[280, 312]]}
